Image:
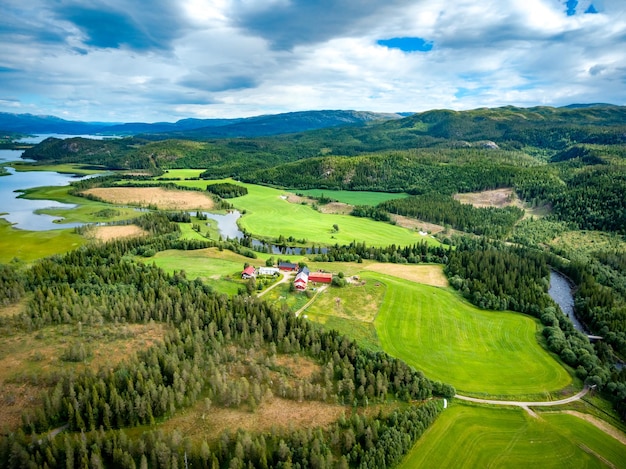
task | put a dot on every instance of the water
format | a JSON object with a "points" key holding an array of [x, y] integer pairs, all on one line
{"points": [[20, 211], [33, 139], [12, 155], [227, 226], [561, 292]]}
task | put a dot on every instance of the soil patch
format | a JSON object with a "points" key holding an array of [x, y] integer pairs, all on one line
{"points": [[496, 198], [199, 423], [415, 224], [426, 274], [300, 367], [107, 233], [156, 196], [336, 208]]}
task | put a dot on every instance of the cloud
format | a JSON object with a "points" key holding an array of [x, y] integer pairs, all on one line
{"points": [[287, 24], [117, 60]]}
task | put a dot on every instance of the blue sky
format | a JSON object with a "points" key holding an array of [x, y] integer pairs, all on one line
{"points": [[121, 60]]}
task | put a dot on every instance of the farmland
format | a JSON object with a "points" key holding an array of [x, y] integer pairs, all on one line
{"points": [[467, 436]]}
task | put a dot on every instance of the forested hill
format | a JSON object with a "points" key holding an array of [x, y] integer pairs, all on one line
{"points": [[541, 131]]}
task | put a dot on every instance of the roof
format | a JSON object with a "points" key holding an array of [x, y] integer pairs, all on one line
{"points": [[305, 270], [250, 270], [324, 275], [287, 265]]}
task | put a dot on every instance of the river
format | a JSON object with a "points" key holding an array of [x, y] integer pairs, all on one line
{"points": [[228, 228], [561, 292]]}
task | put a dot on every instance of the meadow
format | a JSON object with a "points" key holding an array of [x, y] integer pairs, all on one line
{"points": [[31, 245], [467, 436], [219, 269], [479, 352], [267, 215]]}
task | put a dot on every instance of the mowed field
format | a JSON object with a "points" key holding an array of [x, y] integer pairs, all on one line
{"points": [[220, 269], [466, 436], [268, 215], [479, 352]]}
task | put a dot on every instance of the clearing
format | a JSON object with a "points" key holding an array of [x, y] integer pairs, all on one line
{"points": [[426, 274], [157, 196], [495, 198], [107, 233], [28, 361]]}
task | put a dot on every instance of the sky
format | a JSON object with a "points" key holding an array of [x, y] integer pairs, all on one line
{"points": [[163, 60]]}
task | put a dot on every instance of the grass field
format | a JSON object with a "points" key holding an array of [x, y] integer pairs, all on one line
{"points": [[466, 436], [354, 197], [31, 245], [479, 352], [267, 215], [223, 274], [70, 168]]}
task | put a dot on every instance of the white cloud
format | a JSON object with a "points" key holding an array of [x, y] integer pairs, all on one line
{"points": [[227, 58]]}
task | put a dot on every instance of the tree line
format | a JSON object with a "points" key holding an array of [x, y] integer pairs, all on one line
{"points": [[209, 332]]}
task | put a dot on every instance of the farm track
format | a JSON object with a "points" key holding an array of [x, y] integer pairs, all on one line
{"points": [[526, 404]]}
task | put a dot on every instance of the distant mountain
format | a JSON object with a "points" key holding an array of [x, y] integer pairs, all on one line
{"points": [[29, 123], [196, 128], [278, 124]]}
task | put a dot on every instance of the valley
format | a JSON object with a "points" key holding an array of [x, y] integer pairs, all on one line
{"points": [[151, 309]]}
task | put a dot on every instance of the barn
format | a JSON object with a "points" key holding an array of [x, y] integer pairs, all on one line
{"points": [[321, 277], [288, 266], [301, 281]]}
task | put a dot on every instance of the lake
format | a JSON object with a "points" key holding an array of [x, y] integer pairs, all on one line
{"points": [[41, 137], [19, 211]]}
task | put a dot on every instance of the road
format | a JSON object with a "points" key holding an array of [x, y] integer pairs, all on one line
{"points": [[526, 404], [286, 278], [319, 290]]}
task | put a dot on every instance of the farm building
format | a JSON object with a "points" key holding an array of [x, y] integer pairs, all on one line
{"points": [[268, 271], [321, 277], [248, 272], [301, 281], [306, 270], [288, 266]]}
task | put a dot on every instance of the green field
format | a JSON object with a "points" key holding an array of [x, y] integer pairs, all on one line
{"points": [[223, 274], [31, 245], [267, 215], [466, 436], [354, 197], [70, 168], [479, 352]]}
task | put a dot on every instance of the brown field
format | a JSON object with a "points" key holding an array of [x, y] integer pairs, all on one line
{"points": [[107, 233], [426, 274], [12, 310], [495, 198], [27, 360], [199, 424], [300, 367], [157, 196], [336, 208]]}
